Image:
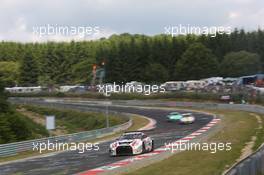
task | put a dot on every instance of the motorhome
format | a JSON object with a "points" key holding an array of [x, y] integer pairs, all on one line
{"points": [[25, 89], [255, 80], [195, 84], [174, 85]]}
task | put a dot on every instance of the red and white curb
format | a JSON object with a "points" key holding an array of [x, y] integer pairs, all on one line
{"points": [[153, 153]]}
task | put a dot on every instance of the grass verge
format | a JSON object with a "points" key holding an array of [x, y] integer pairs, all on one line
{"points": [[238, 128], [74, 121]]}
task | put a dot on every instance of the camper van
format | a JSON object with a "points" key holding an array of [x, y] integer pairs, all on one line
{"points": [[174, 85], [24, 89]]}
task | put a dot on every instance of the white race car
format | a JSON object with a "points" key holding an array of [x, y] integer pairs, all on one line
{"points": [[187, 118], [131, 143]]}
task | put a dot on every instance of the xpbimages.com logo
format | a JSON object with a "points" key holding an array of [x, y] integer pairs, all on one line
{"points": [[193, 146], [196, 30], [146, 89], [61, 146], [64, 30]]}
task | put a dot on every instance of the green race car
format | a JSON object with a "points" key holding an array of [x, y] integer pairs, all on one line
{"points": [[186, 118], [174, 116]]}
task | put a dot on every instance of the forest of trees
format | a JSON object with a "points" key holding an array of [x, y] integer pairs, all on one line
{"points": [[13, 126], [151, 59]]}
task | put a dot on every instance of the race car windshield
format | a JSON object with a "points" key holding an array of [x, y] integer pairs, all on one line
{"points": [[174, 113], [131, 136]]}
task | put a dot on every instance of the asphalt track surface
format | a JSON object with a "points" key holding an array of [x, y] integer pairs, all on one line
{"points": [[72, 162]]}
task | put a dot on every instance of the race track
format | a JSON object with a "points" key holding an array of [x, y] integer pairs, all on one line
{"points": [[72, 162]]}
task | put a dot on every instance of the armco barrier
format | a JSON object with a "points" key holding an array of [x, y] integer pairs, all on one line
{"points": [[252, 165], [16, 147]]}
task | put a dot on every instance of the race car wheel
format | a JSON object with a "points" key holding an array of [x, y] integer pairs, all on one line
{"points": [[143, 148], [111, 155], [152, 146]]}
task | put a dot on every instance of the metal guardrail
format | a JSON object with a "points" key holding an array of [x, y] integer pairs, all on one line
{"points": [[252, 165], [17, 147]]}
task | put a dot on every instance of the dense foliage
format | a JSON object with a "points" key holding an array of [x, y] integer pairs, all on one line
{"points": [[134, 57], [240, 63], [197, 62], [14, 126]]}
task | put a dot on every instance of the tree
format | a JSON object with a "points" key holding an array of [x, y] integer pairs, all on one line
{"points": [[12, 125], [19, 126], [82, 72], [156, 73], [28, 70], [6, 133], [197, 62], [52, 66], [46, 81], [126, 56], [4, 106], [236, 64], [9, 72], [48, 67]]}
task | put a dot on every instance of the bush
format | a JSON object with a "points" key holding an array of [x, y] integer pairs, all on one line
{"points": [[6, 132], [16, 127]]}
